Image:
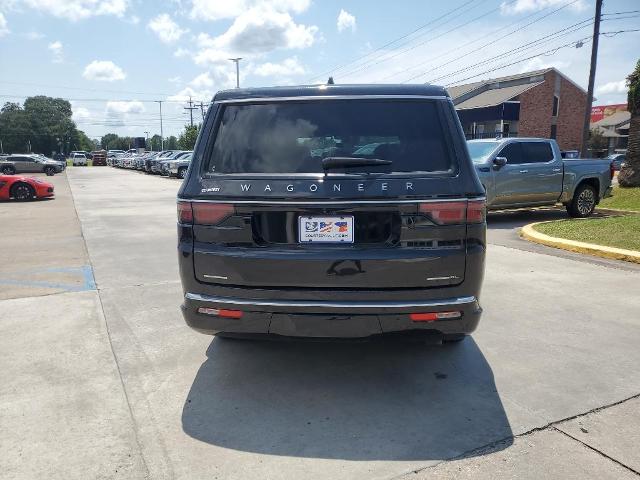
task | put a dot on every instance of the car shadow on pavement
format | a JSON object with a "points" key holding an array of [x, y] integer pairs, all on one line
{"points": [[383, 400]]}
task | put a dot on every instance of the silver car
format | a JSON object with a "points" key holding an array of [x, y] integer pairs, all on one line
{"points": [[26, 163]]}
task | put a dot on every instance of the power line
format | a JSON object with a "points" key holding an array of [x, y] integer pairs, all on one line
{"points": [[545, 39], [339, 67], [413, 47], [484, 45]]}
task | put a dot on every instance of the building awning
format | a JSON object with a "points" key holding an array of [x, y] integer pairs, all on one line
{"points": [[495, 96]]}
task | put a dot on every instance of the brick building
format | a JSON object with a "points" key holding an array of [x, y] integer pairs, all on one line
{"points": [[544, 103]]}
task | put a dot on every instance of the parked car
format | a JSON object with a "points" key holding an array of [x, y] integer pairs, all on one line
{"points": [[163, 165], [79, 159], [276, 240], [99, 158], [617, 159], [26, 163], [24, 188], [62, 163], [178, 168], [154, 165], [530, 172]]}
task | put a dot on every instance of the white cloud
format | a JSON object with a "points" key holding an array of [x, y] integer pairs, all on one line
{"points": [[75, 10], [177, 79], [56, 51], [346, 21], [33, 35], [203, 80], [290, 66], [217, 10], [4, 30], [188, 92], [118, 113], [256, 31], [103, 71], [612, 87], [522, 6], [80, 113], [538, 63], [181, 52], [166, 29], [121, 107]]}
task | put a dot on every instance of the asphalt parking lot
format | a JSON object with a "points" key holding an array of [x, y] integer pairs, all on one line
{"points": [[102, 379]]}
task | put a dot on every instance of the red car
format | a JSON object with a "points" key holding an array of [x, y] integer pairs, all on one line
{"points": [[23, 188]]}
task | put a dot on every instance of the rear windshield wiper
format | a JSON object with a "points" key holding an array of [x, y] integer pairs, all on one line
{"points": [[344, 162]]}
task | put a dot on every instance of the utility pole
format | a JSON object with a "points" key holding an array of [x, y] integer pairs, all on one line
{"points": [[147, 141], [202, 105], [161, 132], [191, 108], [237, 62], [592, 78]]}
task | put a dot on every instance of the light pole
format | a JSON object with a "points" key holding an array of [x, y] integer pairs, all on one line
{"points": [[237, 62], [147, 141], [592, 77]]}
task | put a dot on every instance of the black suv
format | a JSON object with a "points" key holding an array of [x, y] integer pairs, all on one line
{"points": [[332, 211]]}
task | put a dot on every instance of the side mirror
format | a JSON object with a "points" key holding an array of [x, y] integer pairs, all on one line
{"points": [[500, 162]]}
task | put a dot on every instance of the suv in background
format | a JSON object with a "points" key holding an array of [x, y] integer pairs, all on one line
{"points": [[288, 226]]}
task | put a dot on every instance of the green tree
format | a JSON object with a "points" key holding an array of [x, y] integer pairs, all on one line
{"points": [[171, 143], [15, 130], [155, 143], [188, 138], [597, 143], [629, 175], [51, 124]]}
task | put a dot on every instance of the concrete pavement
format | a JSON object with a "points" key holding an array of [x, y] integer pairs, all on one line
{"points": [[558, 339]]}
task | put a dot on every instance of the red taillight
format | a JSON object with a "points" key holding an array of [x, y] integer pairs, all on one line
{"points": [[476, 211], [612, 170], [451, 213], [211, 213], [204, 213], [185, 214], [221, 312], [433, 316]]}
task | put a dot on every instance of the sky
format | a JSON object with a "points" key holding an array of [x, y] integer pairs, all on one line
{"points": [[116, 59]]}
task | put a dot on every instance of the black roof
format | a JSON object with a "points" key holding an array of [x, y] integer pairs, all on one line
{"points": [[330, 90]]}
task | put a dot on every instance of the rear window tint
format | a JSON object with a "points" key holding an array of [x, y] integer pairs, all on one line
{"points": [[294, 137], [537, 152]]}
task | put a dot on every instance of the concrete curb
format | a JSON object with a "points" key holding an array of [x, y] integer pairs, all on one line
{"points": [[528, 233]]}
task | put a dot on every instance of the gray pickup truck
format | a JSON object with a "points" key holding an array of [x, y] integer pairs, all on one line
{"points": [[28, 163], [530, 172]]}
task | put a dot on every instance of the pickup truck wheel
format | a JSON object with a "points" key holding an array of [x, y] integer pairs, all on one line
{"points": [[22, 192], [182, 172], [583, 202], [7, 170], [50, 171]]}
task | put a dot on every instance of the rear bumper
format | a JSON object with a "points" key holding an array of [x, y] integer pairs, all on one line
{"points": [[329, 319]]}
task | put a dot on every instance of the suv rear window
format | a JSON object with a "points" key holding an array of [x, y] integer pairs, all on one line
{"points": [[293, 137]]}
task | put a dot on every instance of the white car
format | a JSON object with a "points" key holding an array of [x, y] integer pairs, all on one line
{"points": [[79, 159]]}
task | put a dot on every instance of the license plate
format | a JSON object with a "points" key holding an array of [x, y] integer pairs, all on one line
{"points": [[325, 229]]}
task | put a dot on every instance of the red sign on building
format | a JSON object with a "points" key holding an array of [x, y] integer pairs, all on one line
{"points": [[598, 112]]}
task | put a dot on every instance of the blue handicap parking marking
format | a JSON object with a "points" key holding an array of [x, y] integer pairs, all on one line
{"points": [[84, 275]]}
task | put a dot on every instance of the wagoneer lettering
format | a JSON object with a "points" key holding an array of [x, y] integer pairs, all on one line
{"points": [[332, 211]]}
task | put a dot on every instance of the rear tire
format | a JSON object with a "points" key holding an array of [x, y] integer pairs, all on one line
{"points": [[8, 170], [22, 192], [50, 171], [182, 172], [583, 202]]}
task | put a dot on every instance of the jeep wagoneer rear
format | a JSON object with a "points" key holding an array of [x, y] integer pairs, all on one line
{"points": [[332, 211]]}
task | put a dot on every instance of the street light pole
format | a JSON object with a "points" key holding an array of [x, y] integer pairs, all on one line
{"points": [[237, 62], [592, 78], [147, 141]]}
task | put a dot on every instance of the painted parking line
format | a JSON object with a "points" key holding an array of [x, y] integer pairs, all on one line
{"points": [[84, 275]]}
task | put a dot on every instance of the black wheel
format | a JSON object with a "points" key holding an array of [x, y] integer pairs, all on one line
{"points": [[453, 338], [50, 171], [7, 170], [22, 192], [182, 172], [583, 202]]}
